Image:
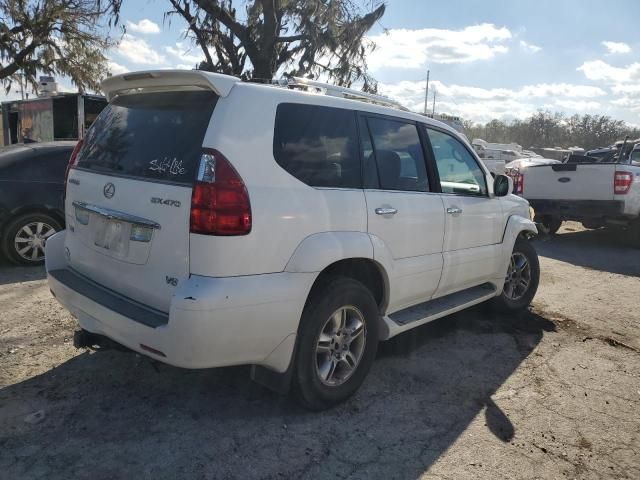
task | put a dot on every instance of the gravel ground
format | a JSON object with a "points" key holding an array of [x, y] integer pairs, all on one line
{"points": [[553, 394]]}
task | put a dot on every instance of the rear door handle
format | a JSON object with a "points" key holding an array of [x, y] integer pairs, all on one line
{"points": [[386, 211], [454, 211]]}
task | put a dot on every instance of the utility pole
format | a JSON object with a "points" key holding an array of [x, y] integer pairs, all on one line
{"points": [[426, 94], [434, 102]]}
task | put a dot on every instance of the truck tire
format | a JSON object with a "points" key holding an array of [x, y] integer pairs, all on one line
{"points": [[550, 224], [337, 343], [24, 238], [521, 282]]}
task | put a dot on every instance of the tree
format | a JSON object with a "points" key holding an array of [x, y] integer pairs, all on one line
{"points": [[55, 37], [282, 37], [546, 129]]}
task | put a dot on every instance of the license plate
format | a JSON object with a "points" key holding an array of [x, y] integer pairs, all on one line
{"points": [[113, 235]]}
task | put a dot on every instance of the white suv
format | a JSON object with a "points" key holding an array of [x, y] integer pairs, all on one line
{"points": [[214, 222]]}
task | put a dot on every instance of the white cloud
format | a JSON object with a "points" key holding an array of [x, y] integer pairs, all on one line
{"points": [[529, 47], [185, 53], [116, 68], [632, 90], [402, 48], [137, 51], [629, 96], [185, 66], [599, 70], [144, 26], [617, 47], [628, 102], [528, 91], [560, 89], [482, 104], [578, 105]]}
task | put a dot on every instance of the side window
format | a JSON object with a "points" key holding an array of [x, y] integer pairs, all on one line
{"points": [[398, 155], [459, 172], [318, 145]]}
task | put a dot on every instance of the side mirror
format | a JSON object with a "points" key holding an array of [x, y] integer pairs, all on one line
{"points": [[502, 186]]}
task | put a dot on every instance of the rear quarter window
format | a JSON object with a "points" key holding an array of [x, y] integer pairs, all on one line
{"points": [[156, 136], [318, 145]]}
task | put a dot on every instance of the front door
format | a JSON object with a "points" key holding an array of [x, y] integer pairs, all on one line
{"points": [[405, 219], [473, 219]]}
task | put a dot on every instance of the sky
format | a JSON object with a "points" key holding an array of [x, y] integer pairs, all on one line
{"points": [[487, 59]]}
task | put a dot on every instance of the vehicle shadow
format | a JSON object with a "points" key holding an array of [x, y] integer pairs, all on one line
{"points": [[13, 274], [116, 415], [605, 249]]}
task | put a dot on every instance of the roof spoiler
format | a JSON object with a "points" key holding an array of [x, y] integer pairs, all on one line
{"points": [[220, 84]]}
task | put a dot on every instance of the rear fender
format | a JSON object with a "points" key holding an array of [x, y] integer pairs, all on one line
{"points": [[318, 251]]}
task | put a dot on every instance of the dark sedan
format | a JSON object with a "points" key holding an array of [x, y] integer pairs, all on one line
{"points": [[31, 190]]}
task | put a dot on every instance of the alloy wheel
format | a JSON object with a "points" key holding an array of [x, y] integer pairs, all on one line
{"points": [[31, 239], [340, 346], [518, 277]]}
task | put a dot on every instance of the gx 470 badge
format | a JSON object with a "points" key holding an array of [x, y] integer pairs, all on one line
{"points": [[165, 201]]}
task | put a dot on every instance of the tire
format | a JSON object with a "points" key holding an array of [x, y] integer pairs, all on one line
{"points": [[319, 381], [550, 224], [512, 299], [31, 229]]}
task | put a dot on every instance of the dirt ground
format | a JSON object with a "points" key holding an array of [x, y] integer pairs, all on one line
{"points": [[553, 394]]}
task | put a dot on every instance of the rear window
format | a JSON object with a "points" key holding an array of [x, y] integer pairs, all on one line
{"points": [[156, 136], [318, 145]]}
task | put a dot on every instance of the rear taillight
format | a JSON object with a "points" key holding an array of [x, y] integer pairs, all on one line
{"points": [[219, 201], [73, 161], [622, 182]]}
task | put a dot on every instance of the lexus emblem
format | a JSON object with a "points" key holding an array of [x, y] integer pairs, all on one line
{"points": [[109, 190]]}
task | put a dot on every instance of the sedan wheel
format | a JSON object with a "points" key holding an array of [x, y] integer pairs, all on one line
{"points": [[24, 238], [31, 240]]}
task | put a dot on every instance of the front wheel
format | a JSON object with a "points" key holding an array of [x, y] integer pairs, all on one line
{"points": [[521, 281], [337, 343]]}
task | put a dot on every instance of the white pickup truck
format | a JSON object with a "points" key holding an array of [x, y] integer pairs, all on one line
{"points": [[595, 194]]}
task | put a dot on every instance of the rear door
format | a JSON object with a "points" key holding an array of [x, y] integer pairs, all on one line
{"points": [[403, 213], [474, 222], [569, 181], [128, 198]]}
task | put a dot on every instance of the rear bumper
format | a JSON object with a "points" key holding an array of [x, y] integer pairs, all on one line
{"points": [[578, 209], [212, 322]]}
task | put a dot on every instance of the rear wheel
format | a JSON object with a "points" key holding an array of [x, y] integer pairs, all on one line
{"points": [[25, 237], [521, 282], [550, 224], [337, 343]]}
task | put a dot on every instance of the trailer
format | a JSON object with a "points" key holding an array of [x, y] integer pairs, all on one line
{"points": [[64, 116]]}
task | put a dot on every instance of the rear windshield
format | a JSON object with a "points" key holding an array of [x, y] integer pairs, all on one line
{"points": [[156, 136]]}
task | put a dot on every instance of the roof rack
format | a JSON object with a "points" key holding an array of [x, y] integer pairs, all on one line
{"points": [[335, 91]]}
